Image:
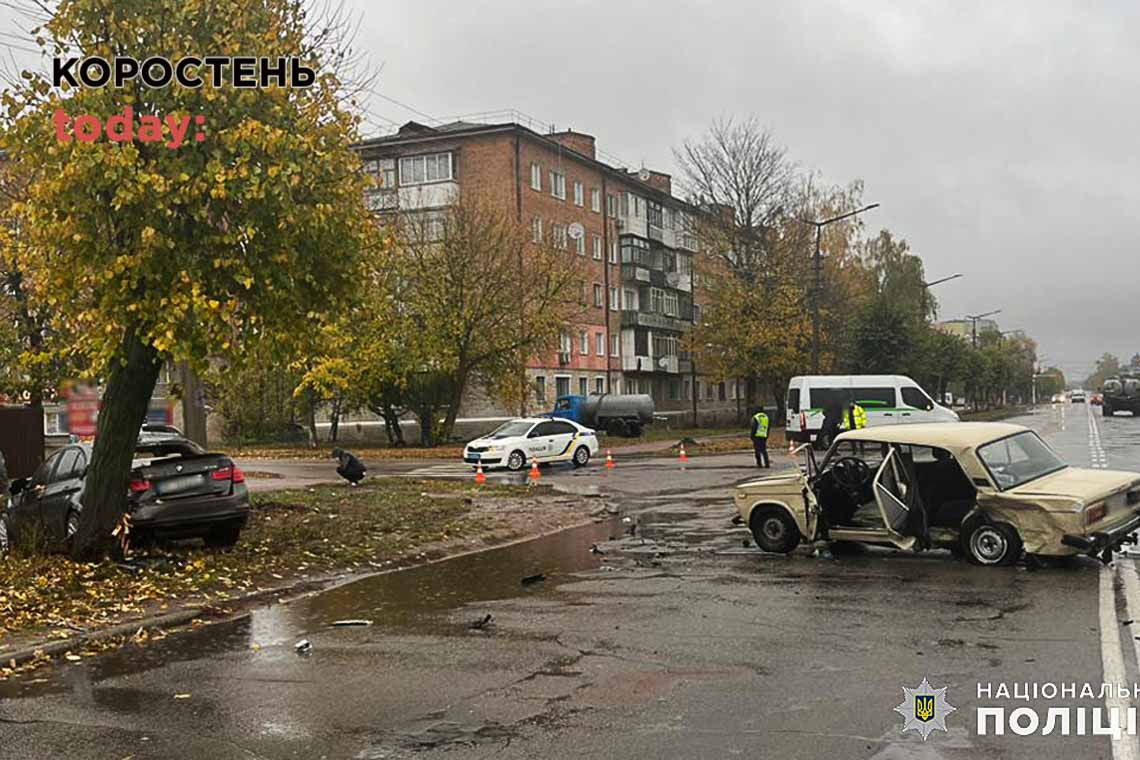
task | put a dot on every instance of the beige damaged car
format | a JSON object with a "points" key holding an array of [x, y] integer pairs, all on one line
{"points": [[984, 489]]}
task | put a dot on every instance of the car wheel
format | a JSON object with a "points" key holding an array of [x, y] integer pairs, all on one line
{"points": [[774, 530], [223, 536], [72, 527], [581, 456], [615, 428], [989, 543], [516, 461]]}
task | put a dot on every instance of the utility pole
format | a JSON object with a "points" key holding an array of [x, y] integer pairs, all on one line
{"points": [[974, 326], [817, 276]]}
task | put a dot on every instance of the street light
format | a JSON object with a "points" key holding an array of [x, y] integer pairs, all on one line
{"points": [[928, 285], [817, 266], [974, 319]]}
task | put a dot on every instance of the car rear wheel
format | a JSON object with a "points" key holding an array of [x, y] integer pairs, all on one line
{"points": [[987, 543], [516, 461], [774, 530], [581, 456], [615, 428], [223, 536]]}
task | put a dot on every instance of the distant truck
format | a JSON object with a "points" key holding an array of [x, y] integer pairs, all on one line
{"points": [[615, 413], [1121, 394]]}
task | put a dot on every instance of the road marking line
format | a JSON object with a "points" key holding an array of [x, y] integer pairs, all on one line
{"points": [[1127, 572], [1112, 661]]}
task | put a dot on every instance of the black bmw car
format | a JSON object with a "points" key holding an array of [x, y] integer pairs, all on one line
{"points": [[177, 490]]}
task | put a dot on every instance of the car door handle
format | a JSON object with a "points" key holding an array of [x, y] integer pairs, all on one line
{"points": [[887, 414]]}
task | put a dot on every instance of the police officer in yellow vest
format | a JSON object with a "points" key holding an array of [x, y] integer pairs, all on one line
{"points": [[760, 438], [856, 417]]}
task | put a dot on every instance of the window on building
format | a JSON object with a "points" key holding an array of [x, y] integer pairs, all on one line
{"points": [[623, 208], [564, 343], [536, 176], [579, 194], [611, 205], [536, 229], [558, 185], [596, 243], [540, 390], [670, 303], [615, 299], [629, 299], [600, 344], [580, 245], [615, 345], [674, 390], [664, 345], [417, 170], [562, 386], [598, 295], [710, 392], [656, 300], [721, 392], [595, 199], [613, 252], [599, 385], [583, 386], [641, 342], [558, 233], [583, 343], [656, 215], [685, 390]]}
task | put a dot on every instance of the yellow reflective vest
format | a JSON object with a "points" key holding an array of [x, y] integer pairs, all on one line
{"points": [[860, 415], [761, 420]]}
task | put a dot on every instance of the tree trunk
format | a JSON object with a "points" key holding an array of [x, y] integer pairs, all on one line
{"points": [[425, 414], [131, 382], [334, 420], [311, 418], [455, 397]]}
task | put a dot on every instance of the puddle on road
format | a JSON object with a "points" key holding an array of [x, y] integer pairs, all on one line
{"points": [[414, 600]]}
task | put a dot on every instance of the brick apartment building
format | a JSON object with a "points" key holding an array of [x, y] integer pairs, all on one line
{"points": [[635, 240]]}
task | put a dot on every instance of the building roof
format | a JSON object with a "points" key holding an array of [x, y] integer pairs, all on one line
{"points": [[953, 436], [413, 132]]}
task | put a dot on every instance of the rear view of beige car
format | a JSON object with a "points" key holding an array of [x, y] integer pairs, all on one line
{"points": [[987, 490]]}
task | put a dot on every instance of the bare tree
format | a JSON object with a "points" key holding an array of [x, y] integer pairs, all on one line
{"points": [[743, 177]]}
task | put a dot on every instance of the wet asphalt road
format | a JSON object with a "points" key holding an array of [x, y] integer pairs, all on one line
{"points": [[676, 641]]}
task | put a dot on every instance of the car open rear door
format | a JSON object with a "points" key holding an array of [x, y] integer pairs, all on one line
{"points": [[896, 493]]}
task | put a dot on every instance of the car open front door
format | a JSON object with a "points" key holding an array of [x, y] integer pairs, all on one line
{"points": [[896, 493]]}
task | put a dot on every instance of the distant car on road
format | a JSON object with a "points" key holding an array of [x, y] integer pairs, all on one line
{"points": [[987, 490], [1077, 396], [177, 490], [519, 442]]}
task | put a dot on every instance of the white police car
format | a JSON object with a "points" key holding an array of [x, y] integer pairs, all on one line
{"points": [[517, 443]]}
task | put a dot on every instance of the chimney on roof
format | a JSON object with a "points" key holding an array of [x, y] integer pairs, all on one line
{"points": [[576, 141]]}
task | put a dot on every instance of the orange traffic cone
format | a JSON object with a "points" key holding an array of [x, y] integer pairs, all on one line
{"points": [[684, 457], [534, 476], [609, 460], [480, 478]]}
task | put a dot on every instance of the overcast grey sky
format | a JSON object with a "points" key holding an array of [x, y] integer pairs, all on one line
{"points": [[998, 136]]}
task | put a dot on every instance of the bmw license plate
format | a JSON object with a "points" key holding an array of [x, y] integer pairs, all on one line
{"points": [[175, 485]]}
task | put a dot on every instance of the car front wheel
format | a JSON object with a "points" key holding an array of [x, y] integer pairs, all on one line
{"points": [[774, 530], [581, 456], [516, 461], [992, 544]]}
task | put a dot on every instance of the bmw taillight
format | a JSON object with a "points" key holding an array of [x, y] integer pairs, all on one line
{"points": [[229, 472]]}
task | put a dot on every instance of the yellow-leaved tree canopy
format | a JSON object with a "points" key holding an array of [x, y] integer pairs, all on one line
{"points": [[149, 254]]}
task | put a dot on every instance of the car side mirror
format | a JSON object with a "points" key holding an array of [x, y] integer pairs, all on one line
{"points": [[18, 486]]}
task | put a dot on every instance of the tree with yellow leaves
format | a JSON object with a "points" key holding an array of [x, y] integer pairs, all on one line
{"points": [[151, 254]]}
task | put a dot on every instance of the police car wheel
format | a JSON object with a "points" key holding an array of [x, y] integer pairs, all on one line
{"points": [[992, 544], [581, 456], [774, 530], [516, 461]]}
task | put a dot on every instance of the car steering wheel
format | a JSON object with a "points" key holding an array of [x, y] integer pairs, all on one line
{"points": [[851, 472]]}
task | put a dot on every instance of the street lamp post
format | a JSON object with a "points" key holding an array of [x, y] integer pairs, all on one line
{"points": [[974, 326], [926, 286], [817, 287]]}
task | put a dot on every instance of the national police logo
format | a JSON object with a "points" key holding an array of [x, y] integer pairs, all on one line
{"points": [[925, 709]]}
